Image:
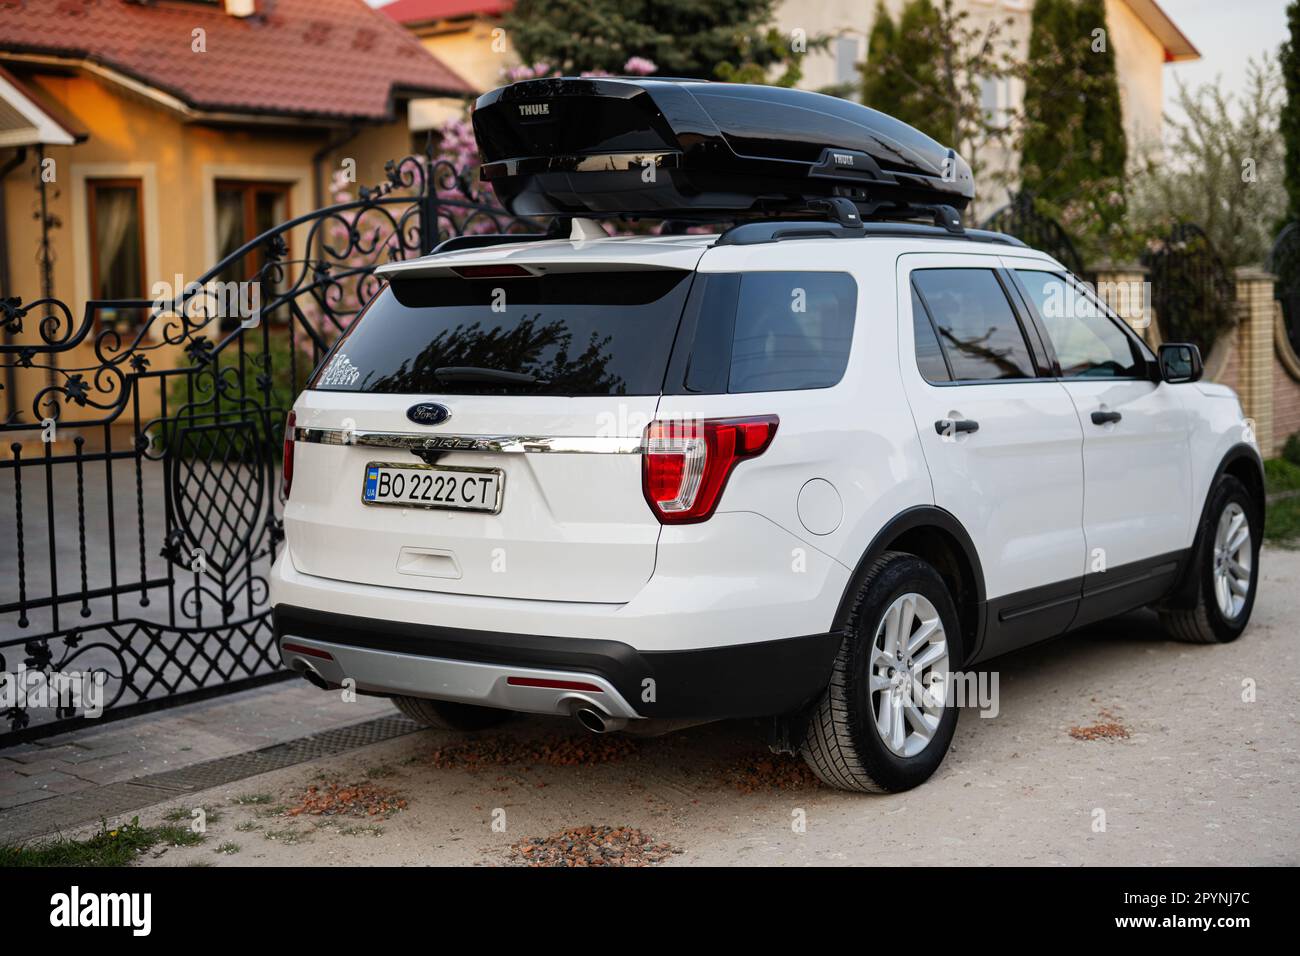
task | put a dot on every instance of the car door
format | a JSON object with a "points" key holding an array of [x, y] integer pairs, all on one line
{"points": [[1137, 508], [1000, 436]]}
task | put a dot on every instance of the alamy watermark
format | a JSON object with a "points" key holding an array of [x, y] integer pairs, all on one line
{"points": [[49, 690]]}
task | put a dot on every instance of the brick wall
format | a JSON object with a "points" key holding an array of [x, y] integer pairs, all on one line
{"points": [[1255, 352], [1286, 384]]}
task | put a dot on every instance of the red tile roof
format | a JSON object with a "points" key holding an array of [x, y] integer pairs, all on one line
{"points": [[426, 11], [318, 58]]}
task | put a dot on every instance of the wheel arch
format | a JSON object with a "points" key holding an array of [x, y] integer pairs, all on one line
{"points": [[1243, 462], [937, 537]]}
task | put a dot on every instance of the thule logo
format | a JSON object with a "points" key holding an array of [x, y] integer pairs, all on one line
{"points": [[843, 159], [534, 109]]}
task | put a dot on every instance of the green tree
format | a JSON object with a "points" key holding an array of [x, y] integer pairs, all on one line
{"points": [[1103, 120], [1222, 168], [1072, 135], [1290, 125], [931, 69], [1052, 117], [1073, 151], [881, 89], [705, 39]]}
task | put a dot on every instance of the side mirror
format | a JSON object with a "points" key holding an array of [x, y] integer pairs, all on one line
{"points": [[1180, 362]]}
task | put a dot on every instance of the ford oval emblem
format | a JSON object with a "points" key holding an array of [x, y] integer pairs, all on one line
{"points": [[428, 413]]}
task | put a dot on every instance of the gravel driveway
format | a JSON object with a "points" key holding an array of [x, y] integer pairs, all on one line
{"points": [[1113, 746]]}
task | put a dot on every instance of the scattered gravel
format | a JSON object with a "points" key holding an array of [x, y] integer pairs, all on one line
{"points": [[763, 773], [584, 751], [357, 800], [591, 846], [1109, 728]]}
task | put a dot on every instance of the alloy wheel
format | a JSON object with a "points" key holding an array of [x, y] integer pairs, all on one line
{"points": [[908, 674], [1232, 561]]}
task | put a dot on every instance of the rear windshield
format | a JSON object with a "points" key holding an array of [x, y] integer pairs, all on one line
{"points": [[600, 333]]}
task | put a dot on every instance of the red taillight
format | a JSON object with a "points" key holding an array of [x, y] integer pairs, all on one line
{"points": [[685, 464], [286, 470]]}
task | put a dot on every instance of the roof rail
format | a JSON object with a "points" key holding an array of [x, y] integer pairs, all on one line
{"points": [[754, 233]]}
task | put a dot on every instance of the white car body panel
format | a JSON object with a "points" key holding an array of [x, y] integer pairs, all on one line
{"points": [[1016, 485], [1037, 489]]}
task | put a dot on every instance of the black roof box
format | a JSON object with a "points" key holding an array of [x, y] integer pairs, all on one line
{"points": [[690, 149]]}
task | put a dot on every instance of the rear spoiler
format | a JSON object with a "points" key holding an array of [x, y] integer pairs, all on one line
{"points": [[535, 256]]}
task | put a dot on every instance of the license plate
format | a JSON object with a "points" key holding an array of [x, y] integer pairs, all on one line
{"points": [[432, 486]]}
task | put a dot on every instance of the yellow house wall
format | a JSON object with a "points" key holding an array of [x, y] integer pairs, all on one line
{"points": [[178, 163], [1139, 63], [469, 52]]}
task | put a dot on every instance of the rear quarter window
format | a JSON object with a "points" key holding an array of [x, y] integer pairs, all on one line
{"points": [[770, 331]]}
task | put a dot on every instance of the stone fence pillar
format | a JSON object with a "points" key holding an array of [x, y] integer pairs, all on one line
{"points": [[1122, 286], [1255, 325]]}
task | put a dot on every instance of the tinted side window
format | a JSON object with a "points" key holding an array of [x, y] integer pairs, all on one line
{"points": [[793, 330], [1088, 343], [929, 356], [977, 326]]}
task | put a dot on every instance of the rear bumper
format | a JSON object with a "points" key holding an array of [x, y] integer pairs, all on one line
{"points": [[546, 675]]}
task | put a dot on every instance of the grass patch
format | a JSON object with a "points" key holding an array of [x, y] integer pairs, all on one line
{"points": [[116, 846], [249, 826], [1282, 523], [1282, 517], [1281, 475], [228, 848], [252, 799], [186, 814], [285, 837], [368, 830]]}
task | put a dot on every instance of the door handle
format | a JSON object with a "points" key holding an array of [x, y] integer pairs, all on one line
{"points": [[956, 426], [1105, 418]]}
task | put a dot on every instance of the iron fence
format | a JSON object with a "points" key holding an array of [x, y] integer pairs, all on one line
{"points": [[142, 461]]}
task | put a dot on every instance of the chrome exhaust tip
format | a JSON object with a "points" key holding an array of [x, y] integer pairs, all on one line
{"points": [[597, 721]]}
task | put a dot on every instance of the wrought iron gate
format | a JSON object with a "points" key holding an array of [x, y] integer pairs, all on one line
{"points": [[141, 464], [1193, 292], [1021, 218], [1284, 262]]}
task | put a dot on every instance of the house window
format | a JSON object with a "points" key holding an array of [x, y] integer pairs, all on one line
{"points": [[245, 210], [848, 51], [116, 221]]}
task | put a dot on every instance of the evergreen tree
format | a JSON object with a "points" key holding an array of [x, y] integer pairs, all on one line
{"points": [[882, 88], [918, 49], [930, 70], [1106, 150], [1053, 111], [1290, 125], [687, 38]]}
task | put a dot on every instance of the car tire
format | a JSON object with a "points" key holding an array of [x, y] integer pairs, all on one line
{"points": [[445, 715], [1220, 564], [842, 742]]}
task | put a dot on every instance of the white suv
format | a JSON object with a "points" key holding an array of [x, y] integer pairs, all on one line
{"points": [[795, 471]]}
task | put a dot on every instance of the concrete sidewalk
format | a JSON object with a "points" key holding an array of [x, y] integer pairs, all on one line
{"points": [[140, 747]]}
